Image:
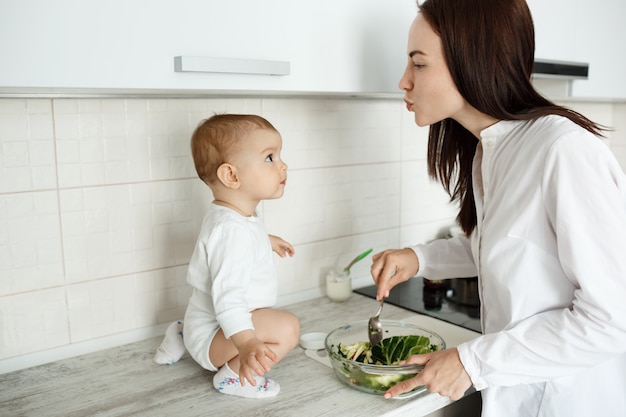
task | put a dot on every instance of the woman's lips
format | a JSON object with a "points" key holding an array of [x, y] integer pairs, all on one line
{"points": [[409, 105]]}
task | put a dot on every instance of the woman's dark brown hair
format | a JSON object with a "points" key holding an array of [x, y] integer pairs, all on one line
{"points": [[489, 46]]}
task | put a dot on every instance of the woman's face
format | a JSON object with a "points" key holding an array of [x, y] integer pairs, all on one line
{"points": [[429, 90]]}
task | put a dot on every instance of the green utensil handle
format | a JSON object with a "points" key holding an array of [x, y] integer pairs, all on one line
{"points": [[357, 259]]}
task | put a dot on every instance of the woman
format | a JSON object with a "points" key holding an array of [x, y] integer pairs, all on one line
{"points": [[542, 202]]}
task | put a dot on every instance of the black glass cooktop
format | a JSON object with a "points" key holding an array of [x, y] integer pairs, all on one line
{"points": [[414, 296]]}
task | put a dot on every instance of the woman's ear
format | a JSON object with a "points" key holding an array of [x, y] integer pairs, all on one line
{"points": [[227, 175]]}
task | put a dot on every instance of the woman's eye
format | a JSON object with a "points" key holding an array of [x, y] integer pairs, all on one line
{"points": [[269, 158], [419, 66]]}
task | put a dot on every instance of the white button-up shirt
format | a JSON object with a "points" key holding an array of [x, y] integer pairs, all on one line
{"points": [[550, 253]]}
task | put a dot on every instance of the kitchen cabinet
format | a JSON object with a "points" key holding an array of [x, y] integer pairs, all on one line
{"points": [[600, 41], [583, 31], [347, 46], [555, 29], [332, 47]]}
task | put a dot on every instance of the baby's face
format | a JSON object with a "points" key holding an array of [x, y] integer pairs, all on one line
{"points": [[262, 173]]}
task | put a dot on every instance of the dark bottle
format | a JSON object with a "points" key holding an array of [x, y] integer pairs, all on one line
{"points": [[433, 293], [434, 283]]}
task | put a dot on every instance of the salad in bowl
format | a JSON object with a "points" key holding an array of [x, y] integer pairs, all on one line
{"points": [[375, 369]]}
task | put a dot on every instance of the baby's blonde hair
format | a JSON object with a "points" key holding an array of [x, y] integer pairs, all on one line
{"points": [[217, 138]]}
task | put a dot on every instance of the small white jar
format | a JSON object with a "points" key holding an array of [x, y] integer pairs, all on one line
{"points": [[338, 286]]}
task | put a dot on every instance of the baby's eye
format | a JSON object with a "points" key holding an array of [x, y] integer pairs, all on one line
{"points": [[269, 158]]}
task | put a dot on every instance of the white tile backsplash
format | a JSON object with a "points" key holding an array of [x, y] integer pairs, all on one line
{"points": [[30, 242], [32, 321], [100, 204], [27, 160]]}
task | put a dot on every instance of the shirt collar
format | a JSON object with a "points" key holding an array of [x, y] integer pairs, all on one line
{"points": [[499, 129]]}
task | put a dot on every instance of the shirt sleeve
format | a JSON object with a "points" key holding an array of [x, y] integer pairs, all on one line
{"points": [[584, 193], [446, 258], [230, 252]]}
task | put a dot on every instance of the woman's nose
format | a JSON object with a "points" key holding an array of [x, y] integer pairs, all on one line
{"points": [[405, 83]]}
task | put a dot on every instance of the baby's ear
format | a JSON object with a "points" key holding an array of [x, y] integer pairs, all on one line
{"points": [[227, 175]]}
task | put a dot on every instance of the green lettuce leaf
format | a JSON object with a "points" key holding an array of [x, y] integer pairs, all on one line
{"points": [[392, 350]]}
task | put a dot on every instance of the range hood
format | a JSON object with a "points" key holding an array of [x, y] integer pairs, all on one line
{"points": [[561, 70]]}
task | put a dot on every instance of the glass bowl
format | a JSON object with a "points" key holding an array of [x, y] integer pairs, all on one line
{"points": [[375, 378]]}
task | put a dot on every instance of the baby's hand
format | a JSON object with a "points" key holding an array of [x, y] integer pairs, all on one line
{"points": [[255, 358], [281, 247]]}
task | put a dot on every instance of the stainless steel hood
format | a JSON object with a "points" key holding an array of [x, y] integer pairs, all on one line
{"points": [[561, 70]]}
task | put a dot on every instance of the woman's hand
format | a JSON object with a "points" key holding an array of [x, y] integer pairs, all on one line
{"points": [[281, 247], [443, 373], [391, 267]]}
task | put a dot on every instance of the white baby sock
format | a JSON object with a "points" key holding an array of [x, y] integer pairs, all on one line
{"points": [[172, 348], [227, 382]]}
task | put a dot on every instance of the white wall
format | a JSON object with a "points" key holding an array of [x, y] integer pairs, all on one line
{"points": [[618, 138], [99, 207]]}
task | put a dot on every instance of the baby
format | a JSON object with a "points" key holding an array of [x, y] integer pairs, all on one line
{"points": [[229, 326]]}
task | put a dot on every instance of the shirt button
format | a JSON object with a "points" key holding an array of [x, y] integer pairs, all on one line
{"points": [[490, 143]]}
